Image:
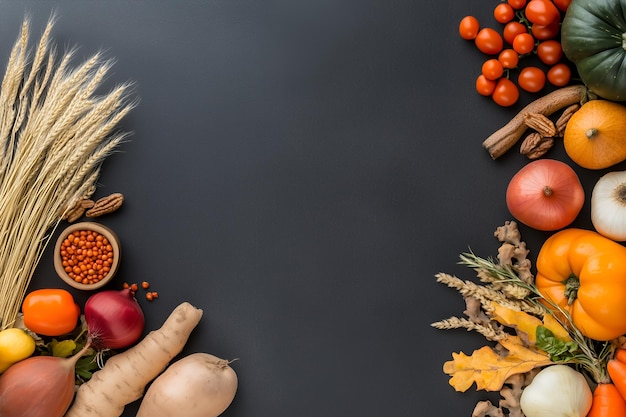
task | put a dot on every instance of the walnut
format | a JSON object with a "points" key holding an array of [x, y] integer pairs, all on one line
{"points": [[87, 203], [74, 214], [540, 123], [106, 205], [535, 145], [77, 210], [561, 122]]}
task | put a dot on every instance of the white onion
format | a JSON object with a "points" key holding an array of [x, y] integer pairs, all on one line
{"points": [[557, 391], [608, 206]]}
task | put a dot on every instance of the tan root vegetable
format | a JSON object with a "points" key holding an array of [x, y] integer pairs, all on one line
{"points": [[198, 385], [125, 375], [507, 136]]}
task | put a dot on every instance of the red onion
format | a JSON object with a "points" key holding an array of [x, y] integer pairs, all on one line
{"points": [[114, 319]]}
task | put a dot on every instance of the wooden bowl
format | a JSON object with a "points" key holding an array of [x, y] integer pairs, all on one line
{"points": [[74, 269]]}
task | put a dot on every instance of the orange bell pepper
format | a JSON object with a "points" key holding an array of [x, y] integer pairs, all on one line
{"points": [[585, 274], [50, 312]]}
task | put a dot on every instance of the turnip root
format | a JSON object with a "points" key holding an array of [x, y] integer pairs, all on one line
{"points": [[125, 375], [198, 385]]}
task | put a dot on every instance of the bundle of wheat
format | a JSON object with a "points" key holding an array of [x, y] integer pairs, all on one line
{"points": [[55, 132]]}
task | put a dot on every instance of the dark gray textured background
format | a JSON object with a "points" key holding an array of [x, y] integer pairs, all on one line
{"points": [[300, 170]]}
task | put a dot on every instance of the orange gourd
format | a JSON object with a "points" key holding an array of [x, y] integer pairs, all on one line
{"points": [[595, 136]]}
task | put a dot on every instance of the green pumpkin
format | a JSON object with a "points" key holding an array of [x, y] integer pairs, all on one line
{"points": [[593, 36]]}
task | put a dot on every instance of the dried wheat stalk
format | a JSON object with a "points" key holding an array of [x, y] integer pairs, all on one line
{"points": [[55, 132]]}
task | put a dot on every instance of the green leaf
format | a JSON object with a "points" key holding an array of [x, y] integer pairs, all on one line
{"points": [[558, 350], [62, 349], [86, 366]]}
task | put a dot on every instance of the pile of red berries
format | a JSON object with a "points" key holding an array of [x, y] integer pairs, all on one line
{"points": [[529, 28]]}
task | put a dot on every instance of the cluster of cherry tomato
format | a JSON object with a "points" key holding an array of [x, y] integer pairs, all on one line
{"points": [[529, 28]]}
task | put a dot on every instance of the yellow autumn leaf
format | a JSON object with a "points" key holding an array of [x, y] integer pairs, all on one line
{"points": [[519, 320], [555, 327], [489, 369], [526, 323]]}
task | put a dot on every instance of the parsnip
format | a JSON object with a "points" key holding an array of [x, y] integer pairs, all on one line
{"points": [[125, 375]]}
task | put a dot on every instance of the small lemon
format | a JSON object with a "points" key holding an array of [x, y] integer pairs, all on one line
{"points": [[15, 345]]}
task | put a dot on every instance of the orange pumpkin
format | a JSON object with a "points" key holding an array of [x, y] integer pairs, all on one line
{"points": [[595, 136]]}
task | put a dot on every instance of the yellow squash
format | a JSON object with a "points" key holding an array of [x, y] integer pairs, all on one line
{"points": [[595, 136]]}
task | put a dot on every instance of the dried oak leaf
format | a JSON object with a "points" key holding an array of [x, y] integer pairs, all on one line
{"points": [[526, 324], [489, 369]]}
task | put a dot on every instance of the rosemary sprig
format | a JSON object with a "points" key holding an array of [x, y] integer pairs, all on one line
{"points": [[586, 353]]}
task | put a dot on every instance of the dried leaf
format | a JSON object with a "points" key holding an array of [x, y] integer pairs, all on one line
{"points": [[555, 327], [519, 320], [63, 348], [527, 323], [490, 369]]}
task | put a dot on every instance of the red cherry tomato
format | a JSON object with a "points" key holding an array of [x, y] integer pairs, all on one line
{"points": [[511, 30], [506, 93], [531, 79], [492, 69], [546, 32], [542, 12], [485, 87], [549, 52], [489, 41], [517, 4], [559, 75], [562, 4], [524, 43], [508, 58], [503, 13], [468, 27]]}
